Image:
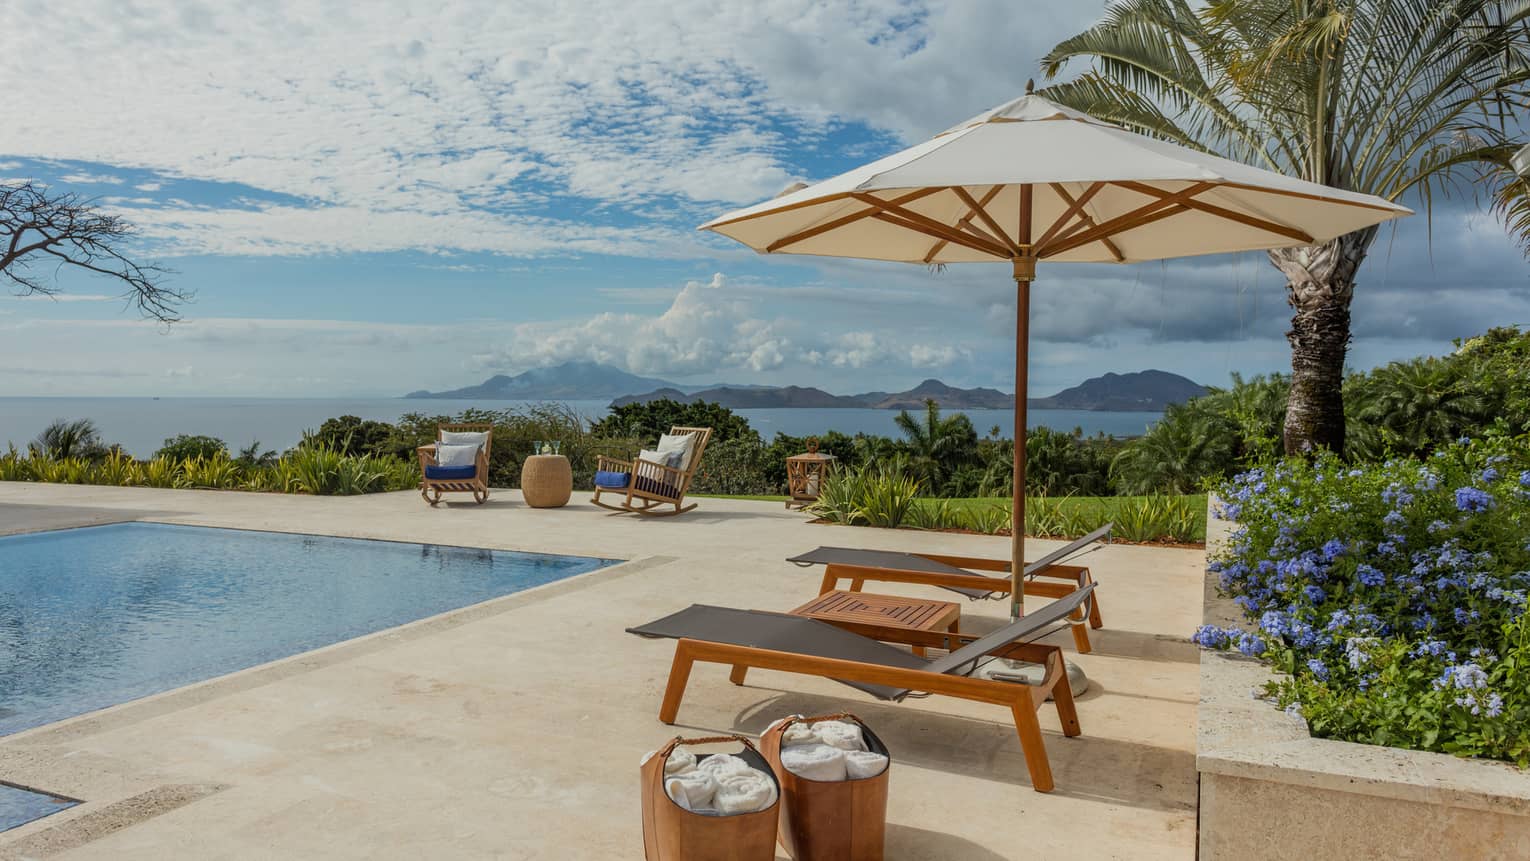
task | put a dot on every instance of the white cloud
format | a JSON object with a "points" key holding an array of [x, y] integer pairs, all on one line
{"points": [[507, 127], [91, 179]]}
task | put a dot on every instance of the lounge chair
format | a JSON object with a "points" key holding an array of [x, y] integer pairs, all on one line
{"points": [[956, 573], [796, 644], [436, 479], [644, 485]]}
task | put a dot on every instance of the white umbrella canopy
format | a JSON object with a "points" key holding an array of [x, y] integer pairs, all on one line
{"points": [[1032, 180]]}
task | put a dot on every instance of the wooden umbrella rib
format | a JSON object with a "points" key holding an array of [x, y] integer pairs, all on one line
{"points": [[836, 223], [1229, 214], [1172, 204], [1085, 220], [961, 239], [932, 227], [964, 222], [979, 208]]}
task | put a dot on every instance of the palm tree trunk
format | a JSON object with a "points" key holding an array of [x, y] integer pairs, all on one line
{"points": [[1320, 285]]}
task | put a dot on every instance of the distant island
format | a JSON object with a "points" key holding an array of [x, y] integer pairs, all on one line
{"points": [[1142, 391]]}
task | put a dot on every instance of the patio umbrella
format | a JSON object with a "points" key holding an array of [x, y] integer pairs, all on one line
{"points": [[1031, 180]]}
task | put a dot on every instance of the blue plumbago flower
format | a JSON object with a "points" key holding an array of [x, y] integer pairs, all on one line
{"points": [[1427, 479], [1356, 651], [1494, 705], [1465, 617], [1465, 440], [1315, 594], [1462, 677], [1210, 637], [1431, 648], [1251, 644], [1396, 496], [1274, 623], [1524, 479], [1488, 475], [1370, 576], [1394, 518], [1318, 668], [1472, 499], [1333, 548], [1438, 526]]}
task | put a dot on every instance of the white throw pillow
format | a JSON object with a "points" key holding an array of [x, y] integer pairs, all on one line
{"points": [[473, 438], [666, 458], [456, 455], [683, 444]]}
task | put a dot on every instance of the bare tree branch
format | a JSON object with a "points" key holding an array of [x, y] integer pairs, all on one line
{"points": [[68, 230]]}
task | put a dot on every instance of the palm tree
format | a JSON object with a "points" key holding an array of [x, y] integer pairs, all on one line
{"points": [[1421, 403], [1389, 97], [63, 439], [1176, 455], [937, 446]]}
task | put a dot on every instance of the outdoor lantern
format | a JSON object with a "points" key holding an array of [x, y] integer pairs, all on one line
{"points": [[805, 474]]}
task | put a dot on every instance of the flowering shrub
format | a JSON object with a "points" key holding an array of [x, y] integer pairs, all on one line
{"points": [[1392, 597]]}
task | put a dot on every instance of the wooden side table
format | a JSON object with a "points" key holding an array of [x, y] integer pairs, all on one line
{"points": [[547, 480], [863, 612]]}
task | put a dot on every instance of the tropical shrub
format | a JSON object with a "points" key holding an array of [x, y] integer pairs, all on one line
{"points": [[734, 466], [185, 446], [217, 471], [872, 496], [63, 438], [161, 472], [937, 446], [648, 420], [353, 435], [1392, 597]]}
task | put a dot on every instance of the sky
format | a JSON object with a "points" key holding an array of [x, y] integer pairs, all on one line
{"points": [[369, 199]]}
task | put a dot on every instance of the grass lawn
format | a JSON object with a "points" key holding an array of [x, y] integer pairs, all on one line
{"points": [[1097, 509]]}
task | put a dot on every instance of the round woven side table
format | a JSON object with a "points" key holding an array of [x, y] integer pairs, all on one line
{"points": [[547, 481]]}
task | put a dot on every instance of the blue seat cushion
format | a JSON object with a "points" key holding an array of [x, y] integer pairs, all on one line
{"points": [[451, 472], [612, 480]]}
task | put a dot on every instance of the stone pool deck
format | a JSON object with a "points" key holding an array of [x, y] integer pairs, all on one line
{"points": [[512, 729]]}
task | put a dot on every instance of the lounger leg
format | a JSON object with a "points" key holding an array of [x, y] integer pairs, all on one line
{"points": [[830, 580], [1067, 715], [856, 584], [1030, 742], [1080, 632], [737, 676], [679, 676]]}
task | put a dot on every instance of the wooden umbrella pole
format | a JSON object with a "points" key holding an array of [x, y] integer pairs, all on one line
{"points": [[1025, 272]]}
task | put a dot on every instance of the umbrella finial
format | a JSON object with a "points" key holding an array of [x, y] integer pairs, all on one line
{"points": [[1030, 86]]}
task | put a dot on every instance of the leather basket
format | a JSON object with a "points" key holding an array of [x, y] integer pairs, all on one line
{"points": [[830, 820], [672, 833]]}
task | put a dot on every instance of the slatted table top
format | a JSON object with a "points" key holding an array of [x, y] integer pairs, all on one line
{"points": [[865, 608]]}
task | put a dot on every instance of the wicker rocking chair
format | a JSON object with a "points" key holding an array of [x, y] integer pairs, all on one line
{"points": [[650, 485], [436, 480]]}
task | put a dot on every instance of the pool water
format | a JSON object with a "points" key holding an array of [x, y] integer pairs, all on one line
{"points": [[19, 806], [102, 615]]}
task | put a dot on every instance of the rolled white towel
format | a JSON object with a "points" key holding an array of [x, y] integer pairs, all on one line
{"points": [[693, 790], [680, 761], [840, 734], [719, 764], [814, 762], [799, 734], [744, 792], [861, 764]]}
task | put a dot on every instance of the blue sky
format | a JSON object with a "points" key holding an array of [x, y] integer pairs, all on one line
{"points": [[425, 194]]}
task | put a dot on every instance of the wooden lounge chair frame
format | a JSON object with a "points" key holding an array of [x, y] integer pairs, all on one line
{"points": [[478, 485], [1072, 577], [644, 501], [1023, 700]]}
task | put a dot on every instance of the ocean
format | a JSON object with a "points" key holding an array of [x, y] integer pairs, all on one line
{"points": [[141, 425]]}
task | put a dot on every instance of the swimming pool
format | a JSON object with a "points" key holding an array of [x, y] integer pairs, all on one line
{"points": [[102, 615]]}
